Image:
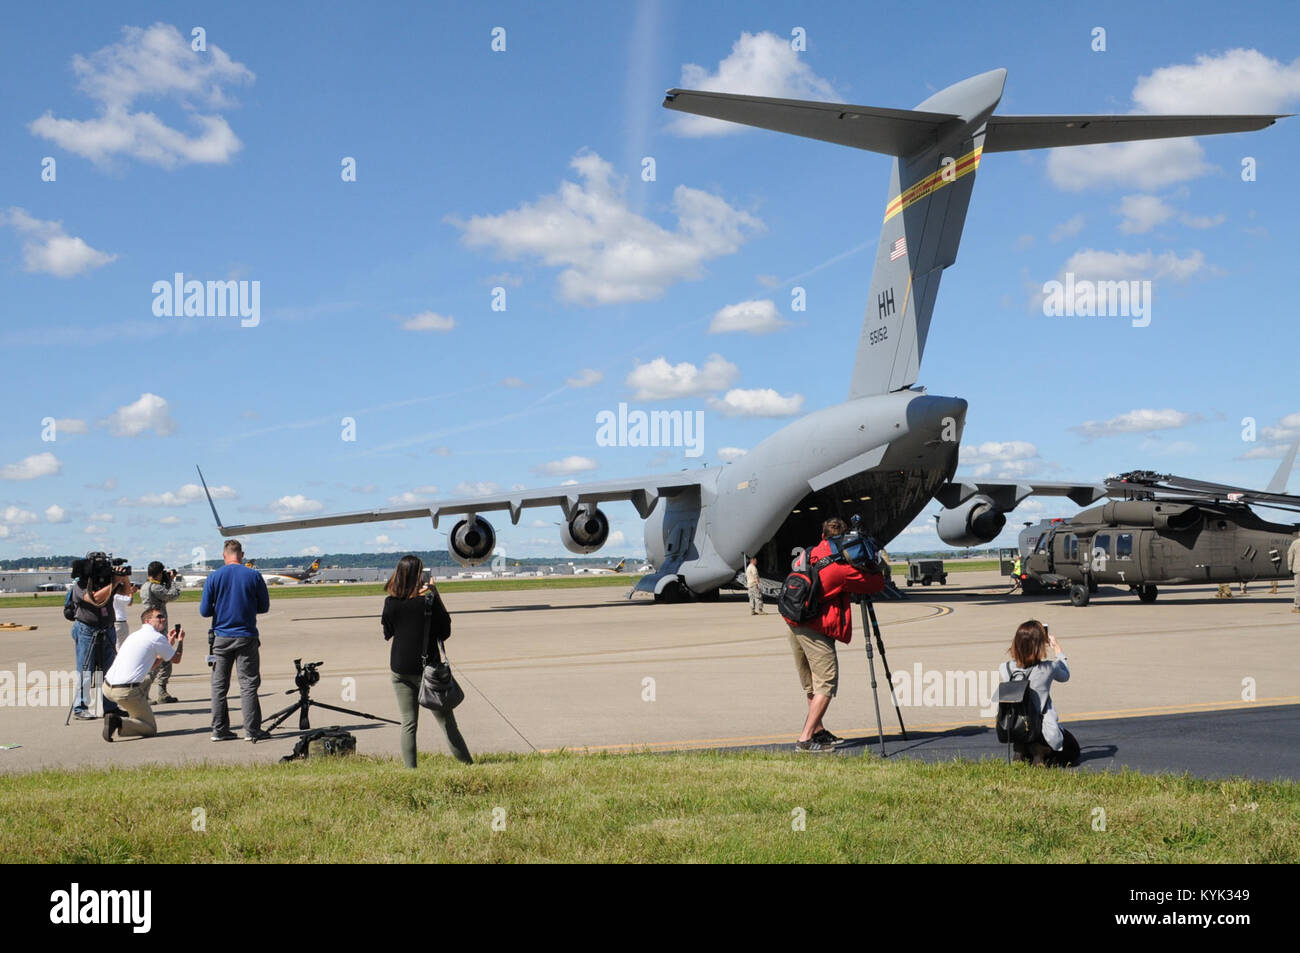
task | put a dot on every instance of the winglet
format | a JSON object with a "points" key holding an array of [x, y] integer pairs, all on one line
{"points": [[209, 496]]}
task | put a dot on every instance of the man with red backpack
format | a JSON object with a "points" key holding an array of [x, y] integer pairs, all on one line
{"points": [[829, 611]]}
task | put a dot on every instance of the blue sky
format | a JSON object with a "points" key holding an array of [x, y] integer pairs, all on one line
{"points": [[522, 170]]}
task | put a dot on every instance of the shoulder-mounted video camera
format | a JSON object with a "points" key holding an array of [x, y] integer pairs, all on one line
{"points": [[97, 570], [856, 549]]}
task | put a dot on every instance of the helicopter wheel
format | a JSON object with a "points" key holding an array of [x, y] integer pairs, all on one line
{"points": [[1079, 595], [1147, 593]]}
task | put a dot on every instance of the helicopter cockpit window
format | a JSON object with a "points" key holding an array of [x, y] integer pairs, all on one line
{"points": [[1101, 543], [1124, 546]]}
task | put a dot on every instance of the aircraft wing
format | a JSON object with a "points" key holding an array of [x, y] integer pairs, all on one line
{"points": [[641, 492], [1007, 496], [1011, 133]]}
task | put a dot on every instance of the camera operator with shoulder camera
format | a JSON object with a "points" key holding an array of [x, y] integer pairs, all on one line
{"points": [[161, 589], [93, 634], [813, 641]]}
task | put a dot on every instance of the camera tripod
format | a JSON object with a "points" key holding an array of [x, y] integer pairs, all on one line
{"points": [[872, 627], [305, 677]]}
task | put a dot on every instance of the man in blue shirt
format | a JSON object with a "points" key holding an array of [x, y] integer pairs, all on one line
{"points": [[233, 597]]}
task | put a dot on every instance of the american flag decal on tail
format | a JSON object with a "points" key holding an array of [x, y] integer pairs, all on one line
{"points": [[899, 249]]}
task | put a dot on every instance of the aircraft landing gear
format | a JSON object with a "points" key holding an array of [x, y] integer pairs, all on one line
{"points": [[1146, 593], [673, 593], [1079, 595]]}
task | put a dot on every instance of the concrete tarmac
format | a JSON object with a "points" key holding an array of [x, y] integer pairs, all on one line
{"points": [[588, 669]]}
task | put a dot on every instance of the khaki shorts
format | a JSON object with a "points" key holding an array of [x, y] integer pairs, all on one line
{"points": [[815, 661]]}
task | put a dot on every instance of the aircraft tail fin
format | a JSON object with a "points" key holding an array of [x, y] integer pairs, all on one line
{"points": [[937, 149], [1283, 474]]}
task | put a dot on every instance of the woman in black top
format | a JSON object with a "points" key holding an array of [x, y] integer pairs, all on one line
{"points": [[403, 621]]}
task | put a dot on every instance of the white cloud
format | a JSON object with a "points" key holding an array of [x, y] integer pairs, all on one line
{"points": [[188, 493], [429, 321], [566, 466], [482, 488], [309, 551], [1004, 460], [94, 517], [93, 529], [170, 520], [108, 484], [539, 524], [759, 402], [420, 494], [1066, 229], [610, 254], [1202, 221], [1237, 81], [752, 317], [4, 531], [1151, 164], [151, 64], [1142, 213], [569, 483], [29, 468], [17, 515], [514, 383], [587, 377], [731, 453], [658, 380], [382, 542], [48, 249], [760, 64], [150, 412], [616, 538], [1136, 421], [296, 504], [1094, 265], [66, 425]]}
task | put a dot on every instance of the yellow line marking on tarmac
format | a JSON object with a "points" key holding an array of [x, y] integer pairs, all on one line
{"points": [[697, 743]]}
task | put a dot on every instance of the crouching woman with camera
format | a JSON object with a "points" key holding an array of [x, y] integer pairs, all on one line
{"points": [[1028, 652], [405, 625]]}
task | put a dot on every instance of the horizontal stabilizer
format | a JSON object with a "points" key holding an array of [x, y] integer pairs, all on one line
{"points": [[1012, 133], [895, 132]]}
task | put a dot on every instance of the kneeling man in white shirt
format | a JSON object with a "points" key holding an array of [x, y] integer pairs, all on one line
{"points": [[124, 683]]}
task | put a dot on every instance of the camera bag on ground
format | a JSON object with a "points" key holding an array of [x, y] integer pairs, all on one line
{"points": [[439, 690], [1019, 720], [323, 742], [801, 593], [70, 608]]}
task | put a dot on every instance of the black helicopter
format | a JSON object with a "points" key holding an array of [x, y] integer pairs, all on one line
{"points": [[1161, 529]]}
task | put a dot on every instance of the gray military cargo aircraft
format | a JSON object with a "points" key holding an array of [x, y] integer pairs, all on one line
{"points": [[1164, 530], [886, 451]]}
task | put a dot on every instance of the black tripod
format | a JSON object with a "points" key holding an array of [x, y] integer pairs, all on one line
{"points": [[305, 677], [95, 659], [872, 627]]}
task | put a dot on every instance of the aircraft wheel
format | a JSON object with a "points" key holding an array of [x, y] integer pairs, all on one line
{"points": [[1147, 593], [711, 595], [673, 593], [910, 581], [925, 581], [1079, 595], [943, 580]]}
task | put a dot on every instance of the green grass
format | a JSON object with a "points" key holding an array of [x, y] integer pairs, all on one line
{"points": [[314, 591], [690, 806]]}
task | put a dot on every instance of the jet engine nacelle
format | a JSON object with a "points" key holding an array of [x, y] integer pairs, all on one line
{"points": [[976, 521], [586, 532], [472, 541]]}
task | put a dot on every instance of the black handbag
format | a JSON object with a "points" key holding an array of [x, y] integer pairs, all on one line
{"points": [[439, 690]]}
